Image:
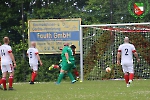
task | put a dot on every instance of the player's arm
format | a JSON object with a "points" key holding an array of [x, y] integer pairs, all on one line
{"points": [[38, 57], [118, 57], [27, 54], [136, 55], [12, 57], [67, 56]]}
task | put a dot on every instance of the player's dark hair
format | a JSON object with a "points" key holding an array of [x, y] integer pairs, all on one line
{"points": [[73, 46]]}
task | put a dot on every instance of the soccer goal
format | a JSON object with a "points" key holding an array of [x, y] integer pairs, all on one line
{"points": [[98, 49]]}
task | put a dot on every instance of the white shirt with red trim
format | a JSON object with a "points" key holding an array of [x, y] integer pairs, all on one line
{"points": [[127, 51], [4, 53], [32, 52]]}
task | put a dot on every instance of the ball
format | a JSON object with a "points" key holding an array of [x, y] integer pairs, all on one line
{"points": [[108, 69]]}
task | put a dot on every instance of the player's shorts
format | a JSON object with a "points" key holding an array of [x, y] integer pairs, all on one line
{"points": [[34, 67], [7, 68], [128, 68], [66, 66]]}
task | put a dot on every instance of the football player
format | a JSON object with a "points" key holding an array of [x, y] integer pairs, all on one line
{"points": [[125, 52], [75, 71], [34, 57]]}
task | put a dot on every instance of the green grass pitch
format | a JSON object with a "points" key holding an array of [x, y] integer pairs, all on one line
{"points": [[87, 90]]}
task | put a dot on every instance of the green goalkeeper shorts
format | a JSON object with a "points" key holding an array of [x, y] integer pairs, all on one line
{"points": [[66, 66]]}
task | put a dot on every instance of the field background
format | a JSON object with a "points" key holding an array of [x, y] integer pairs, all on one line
{"points": [[87, 90]]}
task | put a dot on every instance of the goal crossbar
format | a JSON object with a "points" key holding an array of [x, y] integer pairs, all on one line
{"points": [[121, 24]]}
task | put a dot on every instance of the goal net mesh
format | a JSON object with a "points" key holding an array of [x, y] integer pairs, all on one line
{"points": [[100, 45]]}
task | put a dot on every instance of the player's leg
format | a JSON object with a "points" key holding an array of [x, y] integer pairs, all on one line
{"points": [[58, 66], [33, 76], [131, 73], [4, 74], [0, 75], [126, 75], [11, 80], [0, 79], [34, 73], [70, 66], [11, 76], [0, 84], [54, 66], [60, 77], [62, 72], [76, 73], [71, 77]]}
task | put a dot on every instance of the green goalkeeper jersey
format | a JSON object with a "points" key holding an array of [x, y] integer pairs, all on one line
{"points": [[68, 50]]}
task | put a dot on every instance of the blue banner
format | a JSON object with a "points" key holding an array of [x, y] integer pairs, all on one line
{"points": [[57, 36]]}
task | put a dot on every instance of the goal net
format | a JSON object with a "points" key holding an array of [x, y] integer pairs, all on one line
{"points": [[99, 44]]}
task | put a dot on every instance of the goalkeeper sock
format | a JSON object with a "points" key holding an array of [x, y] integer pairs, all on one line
{"points": [[131, 75], [10, 81], [61, 75], [4, 82], [70, 76], [76, 73], [126, 77], [34, 74]]}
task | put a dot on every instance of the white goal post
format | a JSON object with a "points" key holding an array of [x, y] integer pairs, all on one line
{"points": [[117, 28]]}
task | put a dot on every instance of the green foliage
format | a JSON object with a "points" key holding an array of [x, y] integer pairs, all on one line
{"points": [[22, 70], [99, 13]]}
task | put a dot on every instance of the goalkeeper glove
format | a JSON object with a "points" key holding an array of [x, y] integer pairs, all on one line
{"points": [[68, 62]]}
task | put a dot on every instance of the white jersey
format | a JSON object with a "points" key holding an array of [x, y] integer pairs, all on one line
{"points": [[32, 52], [127, 51], [4, 53]]}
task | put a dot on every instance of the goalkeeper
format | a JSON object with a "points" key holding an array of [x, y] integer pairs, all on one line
{"points": [[75, 71], [67, 63]]}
